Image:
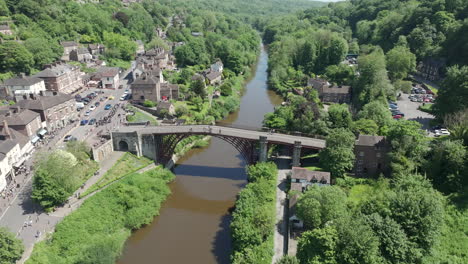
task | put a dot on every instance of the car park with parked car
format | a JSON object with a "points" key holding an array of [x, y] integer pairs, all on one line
{"points": [[84, 122], [92, 122], [442, 132], [107, 107]]}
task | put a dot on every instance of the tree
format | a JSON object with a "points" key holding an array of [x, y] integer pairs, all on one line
{"points": [[341, 74], [404, 86], [11, 248], [339, 116], [377, 112], [15, 57], [198, 87], [418, 209], [198, 102], [181, 110], [124, 47], [458, 125], [409, 146], [400, 62], [226, 88], [149, 103], [373, 83], [448, 166], [452, 98], [320, 205], [338, 156], [365, 127], [318, 246]]}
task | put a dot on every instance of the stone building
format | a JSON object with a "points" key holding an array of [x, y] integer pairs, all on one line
{"points": [[432, 68], [150, 86], [26, 147], [329, 93], [96, 49], [81, 55], [56, 111], [61, 77], [23, 84], [6, 30], [140, 47], [371, 156], [68, 46], [109, 77], [25, 121], [9, 153], [301, 180]]}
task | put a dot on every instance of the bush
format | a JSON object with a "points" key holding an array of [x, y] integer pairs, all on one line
{"points": [[148, 103], [11, 248], [253, 220]]}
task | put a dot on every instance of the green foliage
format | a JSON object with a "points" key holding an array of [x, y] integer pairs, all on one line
{"points": [[319, 205], [226, 88], [198, 87], [338, 156], [126, 165], [404, 86], [447, 166], [318, 246], [58, 174], [400, 62], [453, 97], [254, 217], [119, 46], [96, 232], [365, 127], [339, 116], [378, 112], [15, 57], [148, 103], [340, 74], [288, 260], [11, 248]]}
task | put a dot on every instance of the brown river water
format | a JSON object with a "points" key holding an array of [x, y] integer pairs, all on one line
{"points": [[193, 225]]}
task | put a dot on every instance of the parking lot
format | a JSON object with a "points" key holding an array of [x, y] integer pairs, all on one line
{"points": [[410, 109]]}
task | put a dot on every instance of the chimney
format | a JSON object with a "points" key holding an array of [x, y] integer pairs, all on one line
{"points": [[41, 93], [18, 109], [31, 96], [22, 75], [6, 130]]}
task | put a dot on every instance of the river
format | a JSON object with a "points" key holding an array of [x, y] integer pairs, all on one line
{"points": [[193, 225]]}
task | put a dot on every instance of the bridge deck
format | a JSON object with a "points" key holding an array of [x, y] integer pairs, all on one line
{"points": [[306, 142]]}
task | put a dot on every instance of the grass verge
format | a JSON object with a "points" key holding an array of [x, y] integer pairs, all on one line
{"points": [[127, 164], [96, 232]]}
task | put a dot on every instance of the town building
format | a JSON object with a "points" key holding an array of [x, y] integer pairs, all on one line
{"points": [[329, 93], [218, 66], [371, 156], [81, 55], [6, 30], [432, 68], [301, 180], [96, 49], [151, 86], [61, 77], [25, 121], [56, 111], [68, 47], [214, 77], [9, 153], [26, 147], [23, 84], [109, 77], [166, 106]]}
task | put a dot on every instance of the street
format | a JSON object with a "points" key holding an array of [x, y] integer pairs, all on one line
{"points": [[19, 213], [410, 109]]}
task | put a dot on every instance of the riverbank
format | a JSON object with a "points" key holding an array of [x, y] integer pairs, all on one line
{"points": [[97, 231], [253, 220]]}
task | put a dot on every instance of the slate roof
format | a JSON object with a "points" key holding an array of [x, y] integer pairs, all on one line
{"points": [[337, 89], [164, 105], [55, 71], [308, 175], [22, 81], [4, 27], [44, 102], [108, 71], [24, 117], [68, 43], [169, 86], [213, 75], [366, 140], [6, 146]]}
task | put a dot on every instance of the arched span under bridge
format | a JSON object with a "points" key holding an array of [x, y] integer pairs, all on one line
{"points": [[159, 142]]}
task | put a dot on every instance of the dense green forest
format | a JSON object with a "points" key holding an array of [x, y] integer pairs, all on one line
{"points": [[417, 214]]}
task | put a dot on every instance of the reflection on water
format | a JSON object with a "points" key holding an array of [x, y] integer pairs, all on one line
{"points": [[193, 226]]}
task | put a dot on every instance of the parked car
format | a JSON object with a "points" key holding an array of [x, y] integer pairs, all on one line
{"points": [[107, 107], [121, 86], [91, 108], [397, 116], [398, 113], [393, 107], [87, 113], [122, 98], [442, 132], [67, 138], [92, 121], [84, 122], [97, 104]]}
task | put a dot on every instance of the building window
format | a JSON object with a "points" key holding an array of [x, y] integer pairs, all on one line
{"points": [[378, 155], [361, 153], [379, 166], [142, 97]]}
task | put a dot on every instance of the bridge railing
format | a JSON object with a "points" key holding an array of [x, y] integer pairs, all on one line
{"points": [[267, 129]]}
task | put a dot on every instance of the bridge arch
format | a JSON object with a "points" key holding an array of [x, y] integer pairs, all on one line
{"points": [[168, 143], [123, 145]]}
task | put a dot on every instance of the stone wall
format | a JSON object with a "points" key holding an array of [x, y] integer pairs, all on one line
{"points": [[100, 153], [146, 109], [126, 141]]}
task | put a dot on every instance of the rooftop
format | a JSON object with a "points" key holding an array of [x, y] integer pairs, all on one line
{"points": [[305, 174], [55, 70], [108, 71], [23, 81], [23, 117], [366, 140], [44, 102], [68, 43], [213, 75]]}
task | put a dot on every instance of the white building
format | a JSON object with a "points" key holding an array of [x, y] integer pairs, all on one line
{"points": [[9, 154], [24, 85], [109, 77]]}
